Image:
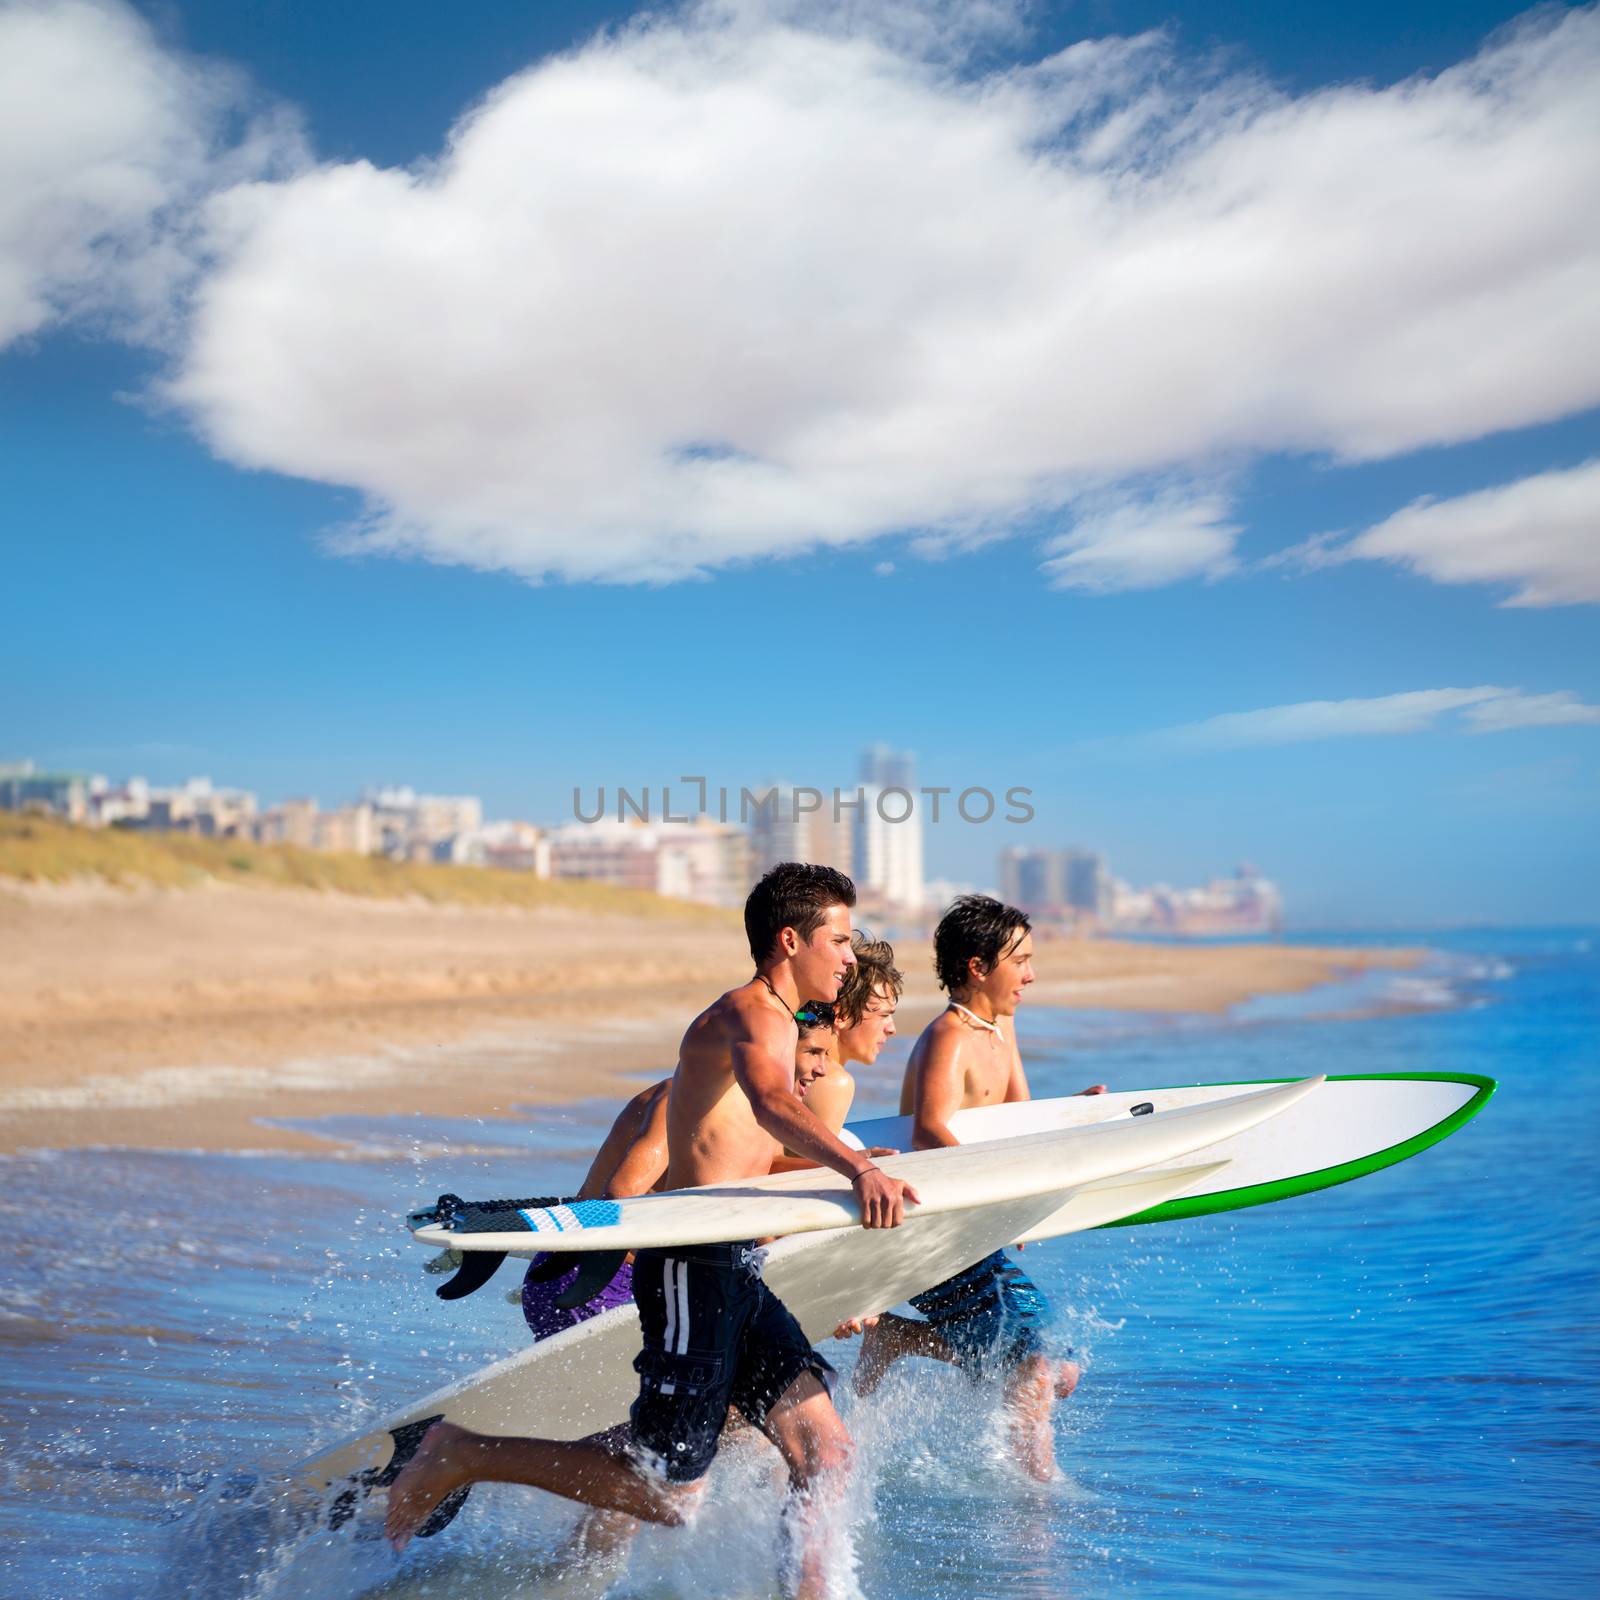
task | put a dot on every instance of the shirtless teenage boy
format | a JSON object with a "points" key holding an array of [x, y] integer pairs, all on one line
{"points": [[633, 1160], [714, 1335], [985, 1319]]}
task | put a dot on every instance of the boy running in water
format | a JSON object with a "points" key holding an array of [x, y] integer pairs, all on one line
{"points": [[631, 1161], [714, 1336], [987, 1319]]}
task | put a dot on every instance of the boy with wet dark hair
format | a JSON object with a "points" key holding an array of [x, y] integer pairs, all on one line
{"points": [[987, 1320], [794, 894], [975, 928], [714, 1335]]}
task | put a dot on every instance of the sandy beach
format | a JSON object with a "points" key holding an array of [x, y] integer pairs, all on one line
{"points": [[160, 1018]]}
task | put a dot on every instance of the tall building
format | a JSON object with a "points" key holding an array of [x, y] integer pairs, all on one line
{"points": [[833, 844], [777, 833], [1035, 879], [888, 853], [1088, 883], [889, 769], [1054, 883]]}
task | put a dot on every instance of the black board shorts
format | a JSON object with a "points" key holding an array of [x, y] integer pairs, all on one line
{"points": [[715, 1336]]}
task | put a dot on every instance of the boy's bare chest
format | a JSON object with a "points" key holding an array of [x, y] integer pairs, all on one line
{"points": [[988, 1074]]}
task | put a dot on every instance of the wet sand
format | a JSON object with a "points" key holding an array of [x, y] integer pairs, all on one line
{"points": [[180, 1018]]}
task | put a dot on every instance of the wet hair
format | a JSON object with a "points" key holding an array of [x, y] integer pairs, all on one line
{"points": [[816, 1016], [794, 895], [975, 925], [874, 970]]}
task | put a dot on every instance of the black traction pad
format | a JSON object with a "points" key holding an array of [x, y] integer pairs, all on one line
{"points": [[450, 1211], [406, 1439]]}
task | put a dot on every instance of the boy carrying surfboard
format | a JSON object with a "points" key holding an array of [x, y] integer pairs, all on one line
{"points": [[714, 1336], [986, 1320]]}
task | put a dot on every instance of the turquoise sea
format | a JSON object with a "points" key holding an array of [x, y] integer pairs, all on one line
{"points": [[1386, 1389]]}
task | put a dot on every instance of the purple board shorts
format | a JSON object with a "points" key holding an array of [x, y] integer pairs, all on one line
{"points": [[544, 1317]]}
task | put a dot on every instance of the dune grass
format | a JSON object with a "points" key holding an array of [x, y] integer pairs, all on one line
{"points": [[41, 849]]}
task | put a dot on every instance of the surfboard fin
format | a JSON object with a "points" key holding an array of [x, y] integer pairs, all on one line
{"points": [[596, 1268], [476, 1269]]}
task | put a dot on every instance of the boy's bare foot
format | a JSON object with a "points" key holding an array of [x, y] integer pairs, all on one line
{"points": [[877, 1356], [432, 1473], [1068, 1375]]}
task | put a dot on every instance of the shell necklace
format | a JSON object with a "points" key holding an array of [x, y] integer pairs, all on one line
{"points": [[977, 1021]]}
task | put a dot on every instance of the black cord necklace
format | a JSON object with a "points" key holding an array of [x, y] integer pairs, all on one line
{"points": [[775, 995]]}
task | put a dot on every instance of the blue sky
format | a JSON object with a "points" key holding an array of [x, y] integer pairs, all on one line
{"points": [[187, 424]]}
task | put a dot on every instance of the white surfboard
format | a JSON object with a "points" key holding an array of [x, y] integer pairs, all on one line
{"points": [[1352, 1126], [1039, 1159], [582, 1380]]}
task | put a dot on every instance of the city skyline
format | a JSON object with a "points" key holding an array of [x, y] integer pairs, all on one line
{"points": [[698, 854], [1286, 556]]}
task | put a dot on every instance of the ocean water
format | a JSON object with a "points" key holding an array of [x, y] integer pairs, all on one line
{"points": [[1388, 1388]]}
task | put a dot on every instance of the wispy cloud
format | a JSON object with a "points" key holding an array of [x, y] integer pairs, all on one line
{"points": [[1143, 544], [1501, 712], [1540, 535], [1485, 709]]}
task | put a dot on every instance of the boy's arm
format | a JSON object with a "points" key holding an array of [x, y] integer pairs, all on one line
{"points": [[763, 1067], [644, 1163], [620, 1142], [938, 1093]]}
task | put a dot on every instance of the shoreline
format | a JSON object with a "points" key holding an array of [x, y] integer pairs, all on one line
{"points": [[161, 1019]]}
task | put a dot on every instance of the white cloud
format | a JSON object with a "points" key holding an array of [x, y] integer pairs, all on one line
{"points": [[107, 143], [1540, 534], [745, 278], [716, 287], [1563, 708], [1143, 544], [1485, 709]]}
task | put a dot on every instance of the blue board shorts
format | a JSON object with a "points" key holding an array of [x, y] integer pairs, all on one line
{"points": [[715, 1337], [991, 1315]]}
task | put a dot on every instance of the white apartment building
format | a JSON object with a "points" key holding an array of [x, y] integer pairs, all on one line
{"points": [[888, 853]]}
